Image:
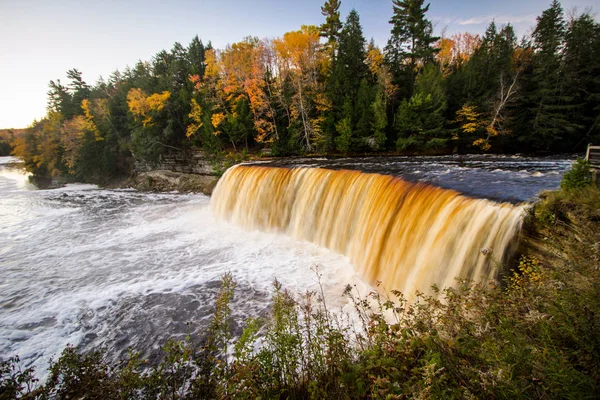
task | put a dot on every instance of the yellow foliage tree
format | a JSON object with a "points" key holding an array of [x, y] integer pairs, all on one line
{"points": [[72, 138], [244, 70], [376, 62], [100, 107], [195, 116], [472, 122], [375, 59], [300, 61], [73, 131], [212, 70], [141, 105], [216, 120]]}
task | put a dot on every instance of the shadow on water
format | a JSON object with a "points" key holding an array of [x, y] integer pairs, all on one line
{"points": [[145, 323]]}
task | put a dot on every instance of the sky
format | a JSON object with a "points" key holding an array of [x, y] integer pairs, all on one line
{"points": [[41, 40]]}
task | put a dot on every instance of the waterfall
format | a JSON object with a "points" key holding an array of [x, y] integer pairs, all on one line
{"points": [[407, 235]]}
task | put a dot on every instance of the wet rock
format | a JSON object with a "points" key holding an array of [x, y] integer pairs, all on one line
{"points": [[169, 181]]}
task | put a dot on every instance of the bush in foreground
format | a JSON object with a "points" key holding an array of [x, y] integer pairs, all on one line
{"points": [[578, 177]]}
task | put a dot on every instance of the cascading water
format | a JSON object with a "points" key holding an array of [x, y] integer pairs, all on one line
{"points": [[408, 236]]}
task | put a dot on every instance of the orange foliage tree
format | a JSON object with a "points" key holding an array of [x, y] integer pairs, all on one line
{"points": [[456, 50]]}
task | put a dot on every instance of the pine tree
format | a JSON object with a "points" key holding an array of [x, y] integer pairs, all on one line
{"points": [[546, 121], [351, 67], [349, 71], [420, 120], [240, 123], [59, 98], [549, 33], [196, 58], [332, 26], [364, 111], [380, 122], [411, 43], [582, 76], [79, 92], [330, 30], [345, 139]]}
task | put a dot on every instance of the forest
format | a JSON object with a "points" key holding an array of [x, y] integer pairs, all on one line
{"points": [[327, 90]]}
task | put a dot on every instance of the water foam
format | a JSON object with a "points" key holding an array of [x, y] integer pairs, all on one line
{"points": [[81, 265]]}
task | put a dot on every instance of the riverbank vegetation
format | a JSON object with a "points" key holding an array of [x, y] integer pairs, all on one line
{"points": [[532, 334], [326, 89], [7, 137]]}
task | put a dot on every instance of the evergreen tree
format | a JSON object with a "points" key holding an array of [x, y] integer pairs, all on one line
{"points": [[582, 76], [345, 138], [66, 100], [348, 73], [364, 112], [241, 125], [549, 34], [332, 26], [489, 61], [420, 120], [59, 98], [331, 30], [196, 58], [411, 43], [380, 122], [179, 68], [351, 68], [490, 86], [545, 118], [79, 92]]}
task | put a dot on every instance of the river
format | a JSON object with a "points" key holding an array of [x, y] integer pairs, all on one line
{"points": [[117, 268]]}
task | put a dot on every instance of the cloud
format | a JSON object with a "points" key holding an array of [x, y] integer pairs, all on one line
{"points": [[448, 24], [501, 19]]}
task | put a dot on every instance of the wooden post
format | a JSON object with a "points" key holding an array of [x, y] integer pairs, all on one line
{"points": [[593, 157]]}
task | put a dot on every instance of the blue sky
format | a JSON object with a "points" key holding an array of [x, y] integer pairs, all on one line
{"points": [[41, 40]]}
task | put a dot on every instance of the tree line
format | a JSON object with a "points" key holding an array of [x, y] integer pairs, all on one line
{"points": [[325, 89]]}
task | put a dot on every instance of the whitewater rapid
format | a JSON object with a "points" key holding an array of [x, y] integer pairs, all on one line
{"points": [[119, 268]]}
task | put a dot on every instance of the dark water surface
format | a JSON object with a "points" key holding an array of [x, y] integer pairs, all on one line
{"points": [[502, 178]]}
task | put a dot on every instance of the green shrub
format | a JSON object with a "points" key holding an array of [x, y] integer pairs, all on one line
{"points": [[436, 143], [409, 143], [14, 381], [579, 176], [222, 161]]}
